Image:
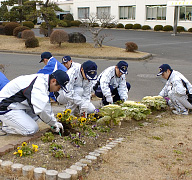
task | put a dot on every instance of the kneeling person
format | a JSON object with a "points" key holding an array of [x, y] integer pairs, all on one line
{"points": [[25, 99]]}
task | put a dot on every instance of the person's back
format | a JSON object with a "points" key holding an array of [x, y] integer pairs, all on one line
{"points": [[3, 81]]}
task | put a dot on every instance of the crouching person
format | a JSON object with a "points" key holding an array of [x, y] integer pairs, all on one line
{"points": [[176, 90], [111, 84], [25, 99], [78, 98]]}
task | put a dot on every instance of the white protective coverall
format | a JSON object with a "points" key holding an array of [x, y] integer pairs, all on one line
{"points": [[108, 77], [79, 95], [27, 99], [175, 90]]}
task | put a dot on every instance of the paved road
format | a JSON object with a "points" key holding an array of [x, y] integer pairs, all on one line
{"points": [[142, 74], [160, 44]]}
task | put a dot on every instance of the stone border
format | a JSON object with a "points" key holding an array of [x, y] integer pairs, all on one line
{"points": [[147, 56], [73, 173]]}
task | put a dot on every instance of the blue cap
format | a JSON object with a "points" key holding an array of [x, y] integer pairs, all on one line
{"points": [[45, 55], [163, 68], [122, 65], [66, 59], [90, 70], [62, 78]]}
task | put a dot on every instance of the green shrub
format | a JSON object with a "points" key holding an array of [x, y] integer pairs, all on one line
{"points": [[27, 34], [190, 30], [94, 25], [29, 24], [128, 26], [180, 29], [131, 46], [76, 23], [2, 32], [44, 25], [168, 28], [69, 17], [146, 27], [111, 25], [58, 36], [31, 42], [137, 26], [120, 25], [68, 23], [19, 29], [10, 27], [62, 23], [158, 28]]}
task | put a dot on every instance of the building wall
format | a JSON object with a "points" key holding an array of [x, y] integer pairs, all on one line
{"points": [[140, 11]]}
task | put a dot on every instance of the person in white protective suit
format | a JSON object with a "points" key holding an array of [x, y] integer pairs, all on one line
{"points": [[25, 99], [176, 90], [111, 84], [78, 98], [67, 62]]}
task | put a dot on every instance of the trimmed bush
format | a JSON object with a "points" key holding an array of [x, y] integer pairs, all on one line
{"points": [[128, 26], [29, 24], [111, 25], [94, 25], [180, 29], [158, 28], [76, 23], [69, 17], [10, 27], [19, 29], [168, 28], [27, 34], [62, 23], [2, 29], [190, 30], [68, 23], [131, 47], [136, 26], [4, 23], [59, 36], [146, 27], [120, 25], [76, 37], [31, 42]]}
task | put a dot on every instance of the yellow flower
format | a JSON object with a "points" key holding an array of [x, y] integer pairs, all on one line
{"points": [[15, 153], [20, 152], [59, 115], [35, 147], [19, 147], [68, 111], [83, 120], [68, 119], [24, 144], [81, 125]]}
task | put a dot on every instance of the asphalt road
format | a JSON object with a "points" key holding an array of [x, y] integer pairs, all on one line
{"points": [[142, 74], [160, 44]]}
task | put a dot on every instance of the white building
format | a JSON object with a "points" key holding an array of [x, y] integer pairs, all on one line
{"points": [[144, 12]]}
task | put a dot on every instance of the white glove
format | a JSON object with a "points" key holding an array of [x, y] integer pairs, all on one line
{"points": [[58, 127], [109, 99]]}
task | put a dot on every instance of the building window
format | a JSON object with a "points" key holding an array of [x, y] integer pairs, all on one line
{"points": [[83, 13], [127, 12], [103, 11], [156, 13], [185, 13]]}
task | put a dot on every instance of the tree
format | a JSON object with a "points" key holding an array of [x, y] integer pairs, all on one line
{"points": [[104, 19], [47, 12]]}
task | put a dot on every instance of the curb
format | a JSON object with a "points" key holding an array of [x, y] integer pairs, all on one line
{"points": [[84, 56]]}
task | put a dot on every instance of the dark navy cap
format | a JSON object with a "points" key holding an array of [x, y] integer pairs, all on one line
{"points": [[66, 59], [122, 65], [163, 68], [90, 70], [45, 55], [62, 78]]}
